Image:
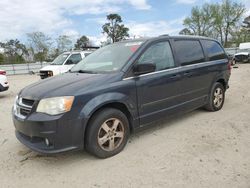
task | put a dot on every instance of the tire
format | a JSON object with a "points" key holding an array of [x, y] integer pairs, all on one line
{"points": [[107, 133], [216, 97]]}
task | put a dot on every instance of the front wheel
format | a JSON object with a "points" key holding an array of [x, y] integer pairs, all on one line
{"points": [[216, 97], [107, 133]]}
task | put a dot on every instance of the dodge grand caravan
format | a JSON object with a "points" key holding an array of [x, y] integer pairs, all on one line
{"points": [[119, 89]]}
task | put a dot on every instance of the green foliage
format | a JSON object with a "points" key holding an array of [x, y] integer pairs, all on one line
{"points": [[40, 45], [217, 20], [241, 35], [114, 29], [246, 23], [200, 21], [64, 43], [1, 59], [14, 52], [82, 43]]}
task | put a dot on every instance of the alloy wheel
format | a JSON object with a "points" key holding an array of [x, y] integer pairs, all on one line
{"points": [[111, 134]]}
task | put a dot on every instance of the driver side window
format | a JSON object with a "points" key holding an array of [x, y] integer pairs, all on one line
{"points": [[73, 59], [159, 54]]}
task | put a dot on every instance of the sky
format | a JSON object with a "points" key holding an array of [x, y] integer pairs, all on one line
{"points": [[86, 17]]}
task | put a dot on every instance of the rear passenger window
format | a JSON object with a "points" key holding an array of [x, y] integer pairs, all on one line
{"points": [[213, 50], [189, 52], [160, 54]]}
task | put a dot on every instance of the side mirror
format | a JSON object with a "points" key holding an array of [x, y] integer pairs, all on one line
{"points": [[144, 68]]}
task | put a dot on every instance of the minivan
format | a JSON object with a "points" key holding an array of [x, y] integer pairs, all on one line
{"points": [[119, 89]]}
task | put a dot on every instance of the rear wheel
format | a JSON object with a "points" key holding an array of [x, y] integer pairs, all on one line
{"points": [[216, 97], [107, 133]]}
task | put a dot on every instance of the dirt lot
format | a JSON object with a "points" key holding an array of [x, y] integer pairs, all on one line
{"points": [[199, 149]]}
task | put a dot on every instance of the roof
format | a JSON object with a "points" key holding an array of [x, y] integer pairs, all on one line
{"points": [[78, 51], [168, 37]]}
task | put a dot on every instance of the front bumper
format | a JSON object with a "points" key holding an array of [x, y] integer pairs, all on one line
{"points": [[62, 134], [3, 88], [45, 74]]}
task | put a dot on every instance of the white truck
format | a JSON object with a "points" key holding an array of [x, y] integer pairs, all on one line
{"points": [[63, 63]]}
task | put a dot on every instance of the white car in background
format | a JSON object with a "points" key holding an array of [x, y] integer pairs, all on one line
{"points": [[243, 56], [63, 63], [4, 85]]}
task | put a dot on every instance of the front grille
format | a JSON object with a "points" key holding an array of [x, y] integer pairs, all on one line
{"points": [[24, 107], [28, 102], [45, 74], [24, 111]]}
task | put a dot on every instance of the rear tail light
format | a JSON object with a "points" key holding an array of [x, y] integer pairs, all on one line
{"points": [[2, 72]]}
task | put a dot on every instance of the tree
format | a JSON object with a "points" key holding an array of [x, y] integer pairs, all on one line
{"points": [[242, 32], [215, 20], [199, 23], [230, 13], [82, 43], [240, 35], [2, 58], [40, 44], [246, 23], [14, 51], [185, 31], [64, 43], [114, 29]]}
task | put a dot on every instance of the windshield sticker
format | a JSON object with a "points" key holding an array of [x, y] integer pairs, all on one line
{"points": [[133, 43], [134, 48]]}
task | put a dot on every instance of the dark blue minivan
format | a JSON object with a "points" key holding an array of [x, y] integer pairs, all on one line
{"points": [[119, 89]]}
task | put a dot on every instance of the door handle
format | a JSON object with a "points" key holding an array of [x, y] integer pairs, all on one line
{"points": [[188, 74], [175, 76]]}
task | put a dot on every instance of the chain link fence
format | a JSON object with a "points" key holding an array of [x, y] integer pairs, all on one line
{"points": [[28, 68]]}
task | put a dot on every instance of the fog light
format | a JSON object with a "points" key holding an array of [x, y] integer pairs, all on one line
{"points": [[46, 142]]}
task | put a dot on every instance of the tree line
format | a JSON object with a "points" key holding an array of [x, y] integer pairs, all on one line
{"points": [[41, 47], [222, 21]]}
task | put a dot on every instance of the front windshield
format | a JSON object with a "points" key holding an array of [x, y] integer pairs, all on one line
{"points": [[60, 59], [108, 59]]}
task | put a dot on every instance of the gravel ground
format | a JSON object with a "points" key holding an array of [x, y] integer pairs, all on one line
{"points": [[198, 149]]}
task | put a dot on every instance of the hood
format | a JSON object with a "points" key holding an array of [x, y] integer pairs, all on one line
{"points": [[242, 53], [50, 67], [68, 84]]}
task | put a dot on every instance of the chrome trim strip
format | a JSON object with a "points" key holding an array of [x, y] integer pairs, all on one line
{"points": [[176, 68], [18, 106], [20, 116], [20, 103]]}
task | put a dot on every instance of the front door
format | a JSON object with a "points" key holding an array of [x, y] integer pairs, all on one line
{"points": [[158, 92]]}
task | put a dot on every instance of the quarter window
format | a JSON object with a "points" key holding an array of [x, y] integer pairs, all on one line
{"points": [[159, 54], [213, 50], [189, 52]]}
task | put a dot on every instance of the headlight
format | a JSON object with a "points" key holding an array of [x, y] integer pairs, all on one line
{"points": [[55, 106]]}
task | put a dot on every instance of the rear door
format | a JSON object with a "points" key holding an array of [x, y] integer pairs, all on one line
{"points": [[197, 73], [158, 92]]}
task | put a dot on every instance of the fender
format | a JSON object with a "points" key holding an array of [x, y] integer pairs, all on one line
{"points": [[220, 76], [107, 98]]}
